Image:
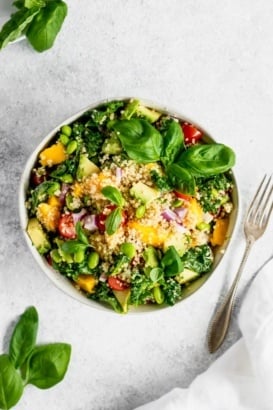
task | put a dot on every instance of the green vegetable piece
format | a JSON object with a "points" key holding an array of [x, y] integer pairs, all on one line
{"points": [[47, 364], [150, 257], [72, 203], [64, 139], [79, 256], [86, 168], [66, 130], [173, 143], [140, 140], [130, 109], [113, 221], [209, 159], [140, 211], [177, 203], [203, 226], [113, 194], [53, 188], [178, 241], [11, 384], [55, 255], [158, 295], [128, 249], [73, 246], [71, 147], [67, 178], [23, 338], [181, 179], [171, 262], [160, 181], [135, 108], [15, 27], [186, 276], [93, 260], [156, 274], [44, 28], [199, 259], [112, 146], [81, 234], [144, 193], [119, 264], [33, 3], [38, 236], [123, 297]]}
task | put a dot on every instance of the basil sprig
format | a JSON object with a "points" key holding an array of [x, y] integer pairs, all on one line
{"points": [[39, 20], [113, 194], [74, 245], [113, 221], [26, 363]]}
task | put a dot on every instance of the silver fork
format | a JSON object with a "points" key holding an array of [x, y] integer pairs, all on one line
{"points": [[256, 221]]}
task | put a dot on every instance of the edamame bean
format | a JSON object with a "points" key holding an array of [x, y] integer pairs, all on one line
{"points": [[64, 139], [177, 203], [158, 295], [56, 256], [140, 211], [79, 256], [54, 187], [93, 260], [66, 130], [67, 178], [128, 249], [203, 226], [71, 147]]}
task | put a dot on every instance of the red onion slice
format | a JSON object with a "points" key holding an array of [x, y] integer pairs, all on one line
{"points": [[118, 175], [181, 213], [77, 216], [169, 215], [89, 223]]}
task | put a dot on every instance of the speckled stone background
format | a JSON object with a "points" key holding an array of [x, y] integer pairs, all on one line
{"points": [[212, 61]]}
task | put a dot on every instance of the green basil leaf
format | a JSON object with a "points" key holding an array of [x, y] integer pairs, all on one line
{"points": [[19, 4], [48, 364], [113, 194], [73, 246], [172, 143], [113, 221], [23, 338], [181, 179], [139, 139], [81, 235], [11, 384], [208, 159], [156, 274], [18, 22], [34, 3], [44, 28], [171, 262]]}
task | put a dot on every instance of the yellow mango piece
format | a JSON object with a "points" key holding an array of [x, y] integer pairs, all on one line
{"points": [[77, 190], [149, 234], [87, 282], [54, 201], [219, 232], [48, 215], [194, 215], [55, 154]]}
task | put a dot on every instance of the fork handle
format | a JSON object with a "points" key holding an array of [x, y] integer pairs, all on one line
{"points": [[221, 320]]}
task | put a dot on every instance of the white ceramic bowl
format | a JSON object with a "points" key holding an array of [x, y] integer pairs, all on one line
{"points": [[63, 283]]}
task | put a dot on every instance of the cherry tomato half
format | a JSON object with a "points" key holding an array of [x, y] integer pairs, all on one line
{"points": [[191, 133], [117, 284], [182, 196], [66, 226]]}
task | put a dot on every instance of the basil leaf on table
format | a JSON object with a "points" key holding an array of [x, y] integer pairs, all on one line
{"points": [[15, 27], [140, 140], [11, 384], [44, 28], [24, 336], [172, 143], [208, 159], [48, 364], [113, 221], [113, 194], [181, 179]]}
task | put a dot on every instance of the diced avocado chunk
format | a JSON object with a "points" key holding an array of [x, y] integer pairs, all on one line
{"points": [[38, 236], [86, 167], [178, 241], [150, 257], [66, 257], [186, 275], [112, 146], [123, 297], [144, 192], [136, 108]]}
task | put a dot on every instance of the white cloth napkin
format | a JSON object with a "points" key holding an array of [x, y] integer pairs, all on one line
{"points": [[242, 378]]}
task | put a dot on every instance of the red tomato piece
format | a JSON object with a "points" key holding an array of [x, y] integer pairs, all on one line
{"points": [[182, 196], [191, 133], [117, 284], [66, 226], [37, 179]]}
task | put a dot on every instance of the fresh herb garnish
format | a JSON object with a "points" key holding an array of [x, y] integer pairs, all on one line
{"points": [[113, 221], [113, 194], [39, 20], [43, 366]]}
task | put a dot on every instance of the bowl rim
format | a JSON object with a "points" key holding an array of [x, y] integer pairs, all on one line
{"points": [[60, 281]]}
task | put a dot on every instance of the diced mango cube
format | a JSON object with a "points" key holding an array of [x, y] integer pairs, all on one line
{"points": [[48, 215], [86, 282], [154, 236], [219, 232], [55, 154]]}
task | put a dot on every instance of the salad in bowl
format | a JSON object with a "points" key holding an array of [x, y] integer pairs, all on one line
{"points": [[127, 205]]}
